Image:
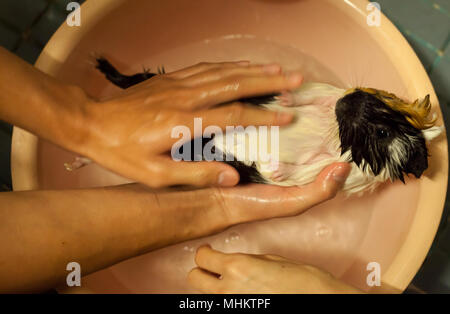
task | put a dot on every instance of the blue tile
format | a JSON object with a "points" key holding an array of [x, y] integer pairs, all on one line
{"points": [[445, 108], [47, 24], [426, 27], [434, 276], [8, 38], [427, 56], [418, 17], [443, 5], [28, 51], [444, 239], [61, 5], [21, 14], [440, 77]]}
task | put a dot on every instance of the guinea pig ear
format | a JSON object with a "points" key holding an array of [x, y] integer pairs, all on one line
{"points": [[433, 132]]}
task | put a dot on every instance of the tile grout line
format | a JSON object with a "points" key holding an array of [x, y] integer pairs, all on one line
{"points": [[13, 29], [25, 35], [440, 54], [437, 7], [17, 31]]}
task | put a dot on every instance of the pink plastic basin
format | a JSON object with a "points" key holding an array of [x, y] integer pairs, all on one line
{"points": [[329, 41]]}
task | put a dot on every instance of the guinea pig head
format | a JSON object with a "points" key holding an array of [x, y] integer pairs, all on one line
{"points": [[384, 133]]}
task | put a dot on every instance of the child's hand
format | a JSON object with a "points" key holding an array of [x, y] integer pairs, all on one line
{"points": [[256, 274]]}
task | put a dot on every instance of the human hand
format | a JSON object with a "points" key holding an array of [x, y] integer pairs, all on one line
{"points": [[259, 201], [131, 134], [202, 212], [241, 273], [181, 214], [218, 272]]}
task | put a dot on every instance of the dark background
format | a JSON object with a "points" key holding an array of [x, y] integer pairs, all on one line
{"points": [[27, 25]]}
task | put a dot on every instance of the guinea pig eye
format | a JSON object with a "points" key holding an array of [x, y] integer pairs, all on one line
{"points": [[382, 133]]}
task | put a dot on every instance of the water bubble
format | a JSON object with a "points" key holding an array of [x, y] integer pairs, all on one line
{"points": [[188, 248], [234, 236], [323, 231]]}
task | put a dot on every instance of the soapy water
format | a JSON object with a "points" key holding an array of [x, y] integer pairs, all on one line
{"points": [[338, 236]]}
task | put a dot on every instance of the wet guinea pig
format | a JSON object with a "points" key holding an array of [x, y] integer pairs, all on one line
{"points": [[381, 135]]}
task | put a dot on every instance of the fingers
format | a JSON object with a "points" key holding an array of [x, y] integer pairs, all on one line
{"points": [[218, 119], [162, 171], [211, 260], [258, 202], [237, 114], [220, 73], [328, 183], [233, 268], [203, 281], [205, 66], [199, 174], [208, 84], [246, 273], [242, 86], [212, 265], [274, 258]]}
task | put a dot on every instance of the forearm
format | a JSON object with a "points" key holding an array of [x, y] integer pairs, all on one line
{"points": [[42, 231], [39, 103]]}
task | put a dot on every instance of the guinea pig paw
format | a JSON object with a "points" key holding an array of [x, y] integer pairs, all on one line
{"points": [[280, 171], [286, 99], [279, 176]]}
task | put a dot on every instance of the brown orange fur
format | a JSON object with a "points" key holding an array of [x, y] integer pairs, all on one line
{"points": [[416, 113]]}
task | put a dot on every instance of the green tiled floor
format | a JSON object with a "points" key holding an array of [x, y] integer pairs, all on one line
{"points": [[26, 25]]}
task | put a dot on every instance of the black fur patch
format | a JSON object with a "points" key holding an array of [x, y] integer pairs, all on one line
{"points": [[260, 100], [120, 80], [248, 174], [369, 128]]}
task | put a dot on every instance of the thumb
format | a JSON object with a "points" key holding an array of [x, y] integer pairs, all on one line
{"points": [[331, 179], [327, 184], [258, 201], [200, 174]]}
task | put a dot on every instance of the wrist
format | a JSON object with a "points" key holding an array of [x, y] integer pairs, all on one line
{"points": [[190, 214], [69, 126]]}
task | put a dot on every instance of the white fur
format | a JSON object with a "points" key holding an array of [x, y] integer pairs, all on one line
{"points": [[433, 132]]}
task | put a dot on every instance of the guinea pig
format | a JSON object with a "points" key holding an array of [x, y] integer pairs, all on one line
{"points": [[381, 135]]}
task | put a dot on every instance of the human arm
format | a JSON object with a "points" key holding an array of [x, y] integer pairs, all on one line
{"points": [[130, 133], [42, 231]]}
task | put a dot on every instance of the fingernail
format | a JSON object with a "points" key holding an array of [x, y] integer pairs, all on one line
{"points": [[340, 173], [284, 117], [227, 178], [295, 78], [272, 69]]}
